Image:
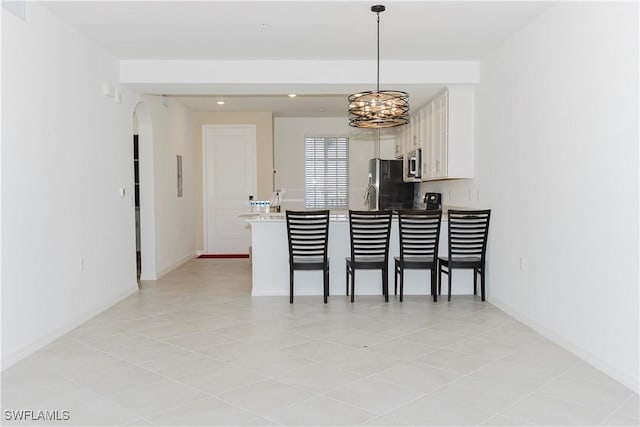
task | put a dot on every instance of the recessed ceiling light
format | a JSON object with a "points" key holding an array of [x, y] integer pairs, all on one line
{"points": [[292, 95], [220, 102]]}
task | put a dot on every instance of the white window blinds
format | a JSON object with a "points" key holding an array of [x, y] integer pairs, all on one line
{"points": [[326, 177]]}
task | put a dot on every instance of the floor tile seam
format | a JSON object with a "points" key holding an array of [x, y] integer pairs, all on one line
{"points": [[439, 389], [163, 378], [448, 347], [559, 399], [432, 367], [111, 395], [140, 365], [470, 334], [133, 365], [521, 420], [80, 340], [234, 388], [46, 369], [412, 360], [201, 399], [366, 350], [449, 371], [476, 371], [536, 367], [288, 405], [438, 331], [137, 362], [273, 376], [127, 345], [628, 399], [501, 412], [324, 359], [491, 415], [389, 382], [166, 341], [347, 383], [579, 378], [326, 396], [135, 414], [140, 418], [632, 421], [533, 393], [349, 371], [464, 404], [408, 402], [99, 372]]}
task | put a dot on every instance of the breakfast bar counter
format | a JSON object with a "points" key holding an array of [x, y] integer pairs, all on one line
{"points": [[270, 262]]}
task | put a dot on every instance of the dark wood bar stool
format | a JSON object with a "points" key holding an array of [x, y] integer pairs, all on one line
{"points": [[468, 232], [369, 232], [419, 237], [308, 235]]}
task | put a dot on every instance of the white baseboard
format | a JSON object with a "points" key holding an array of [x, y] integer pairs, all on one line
{"points": [[622, 377], [16, 356]]}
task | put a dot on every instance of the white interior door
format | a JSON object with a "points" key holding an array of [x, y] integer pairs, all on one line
{"points": [[229, 173]]}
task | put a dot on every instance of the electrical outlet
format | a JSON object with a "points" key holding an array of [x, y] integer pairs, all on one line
{"points": [[521, 263], [470, 195], [450, 195], [81, 264], [478, 194]]}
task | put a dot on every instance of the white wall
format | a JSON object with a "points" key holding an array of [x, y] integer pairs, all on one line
{"points": [[175, 217], [557, 161], [68, 240], [289, 134]]}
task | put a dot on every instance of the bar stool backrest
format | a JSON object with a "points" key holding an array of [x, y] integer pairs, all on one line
{"points": [[308, 233], [419, 233], [369, 231], [468, 231]]}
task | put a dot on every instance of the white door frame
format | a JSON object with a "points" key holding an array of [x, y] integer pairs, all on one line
{"points": [[147, 193], [205, 220]]}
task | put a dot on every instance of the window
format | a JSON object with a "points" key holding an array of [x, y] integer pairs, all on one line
{"points": [[326, 176]]}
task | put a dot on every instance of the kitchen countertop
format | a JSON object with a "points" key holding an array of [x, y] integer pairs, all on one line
{"points": [[342, 216]]}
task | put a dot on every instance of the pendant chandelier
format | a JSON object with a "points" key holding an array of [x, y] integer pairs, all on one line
{"points": [[378, 109]]}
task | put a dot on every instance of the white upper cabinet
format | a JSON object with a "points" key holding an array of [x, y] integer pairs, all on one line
{"points": [[447, 135]]}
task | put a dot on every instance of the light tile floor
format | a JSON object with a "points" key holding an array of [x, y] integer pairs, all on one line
{"points": [[194, 348]]}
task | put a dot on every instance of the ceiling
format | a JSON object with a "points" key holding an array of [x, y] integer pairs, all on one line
{"points": [[311, 30]]}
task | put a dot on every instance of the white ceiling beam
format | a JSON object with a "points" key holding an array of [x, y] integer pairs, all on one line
{"points": [[323, 73]]}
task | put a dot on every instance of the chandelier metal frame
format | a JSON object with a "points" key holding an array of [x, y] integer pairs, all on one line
{"points": [[377, 109]]}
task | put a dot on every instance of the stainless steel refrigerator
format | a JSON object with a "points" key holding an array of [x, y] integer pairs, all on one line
{"points": [[385, 188]]}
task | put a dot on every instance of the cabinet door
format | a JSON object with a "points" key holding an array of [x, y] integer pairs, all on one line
{"points": [[440, 112], [398, 151], [416, 131], [427, 141]]}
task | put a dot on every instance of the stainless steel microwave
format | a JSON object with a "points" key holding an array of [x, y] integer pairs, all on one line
{"points": [[414, 163]]}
